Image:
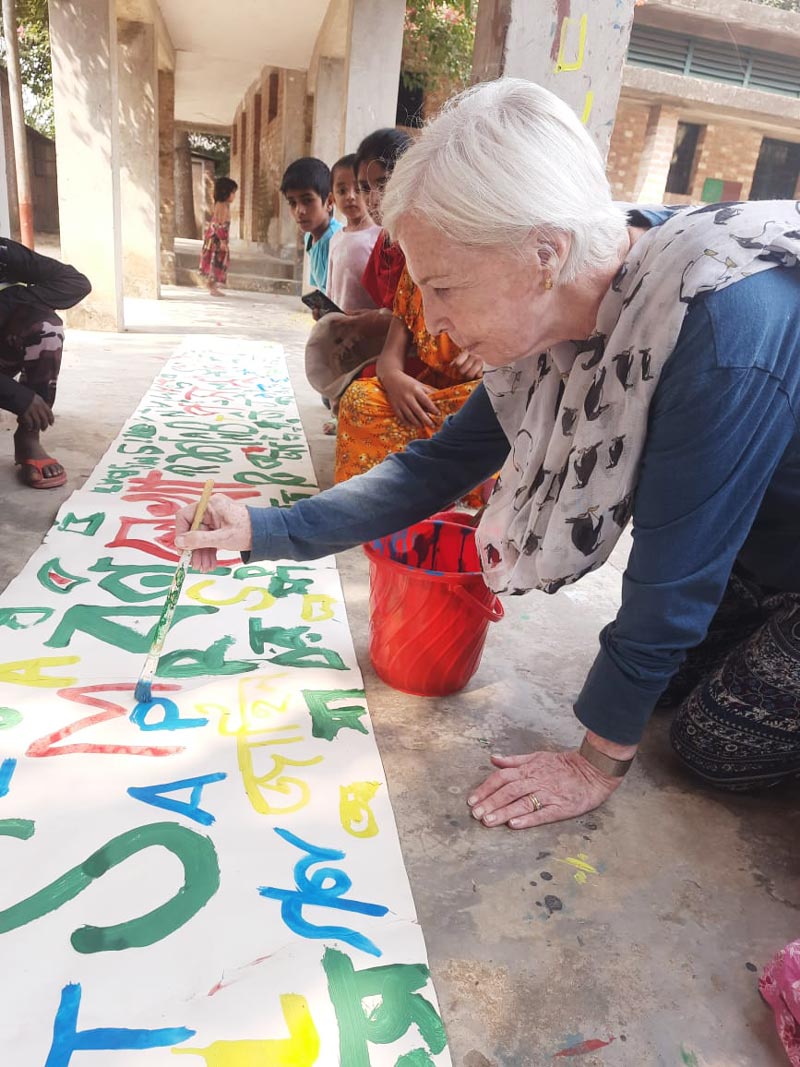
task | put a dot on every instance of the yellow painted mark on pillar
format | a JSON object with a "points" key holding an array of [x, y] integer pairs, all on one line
{"points": [[30, 672], [587, 107], [354, 810], [317, 600], [561, 63], [300, 1049]]}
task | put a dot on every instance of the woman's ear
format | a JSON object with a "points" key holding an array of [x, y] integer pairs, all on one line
{"points": [[551, 254]]}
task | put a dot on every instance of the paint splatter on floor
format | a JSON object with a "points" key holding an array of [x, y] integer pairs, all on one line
{"points": [[553, 903], [590, 1045], [689, 1058], [582, 867]]}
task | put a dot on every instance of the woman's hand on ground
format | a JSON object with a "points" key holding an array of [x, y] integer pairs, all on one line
{"points": [[225, 524], [565, 784], [469, 366], [411, 400], [37, 416]]}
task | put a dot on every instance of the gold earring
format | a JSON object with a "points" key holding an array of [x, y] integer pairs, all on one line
{"points": [[548, 280]]}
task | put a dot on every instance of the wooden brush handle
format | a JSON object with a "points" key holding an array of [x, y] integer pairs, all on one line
{"points": [[200, 510]]}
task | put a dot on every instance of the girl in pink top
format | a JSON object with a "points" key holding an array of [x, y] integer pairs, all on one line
{"points": [[350, 247]]}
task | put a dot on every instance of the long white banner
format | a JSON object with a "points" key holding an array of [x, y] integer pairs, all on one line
{"points": [[215, 874]]}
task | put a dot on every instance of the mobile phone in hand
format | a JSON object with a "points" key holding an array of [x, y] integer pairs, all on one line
{"points": [[317, 301]]}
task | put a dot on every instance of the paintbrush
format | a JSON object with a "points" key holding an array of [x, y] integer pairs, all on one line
{"points": [[144, 687]]}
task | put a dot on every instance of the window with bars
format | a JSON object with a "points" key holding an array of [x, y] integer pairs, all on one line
{"points": [[719, 61]]}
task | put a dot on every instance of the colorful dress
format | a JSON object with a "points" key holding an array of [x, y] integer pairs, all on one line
{"points": [[215, 256], [369, 428], [383, 271]]}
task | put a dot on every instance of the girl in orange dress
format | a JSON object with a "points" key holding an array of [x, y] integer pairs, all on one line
{"points": [[421, 379]]}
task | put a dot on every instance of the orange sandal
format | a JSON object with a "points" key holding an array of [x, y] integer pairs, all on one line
{"points": [[27, 466]]}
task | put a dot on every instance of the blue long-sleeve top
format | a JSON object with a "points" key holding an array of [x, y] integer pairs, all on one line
{"points": [[719, 483]]}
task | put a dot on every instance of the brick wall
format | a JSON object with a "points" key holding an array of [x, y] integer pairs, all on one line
{"points": [[728, 152], [258, 154], [166, 173], [272, 164], [724, 150], [627, 142]]}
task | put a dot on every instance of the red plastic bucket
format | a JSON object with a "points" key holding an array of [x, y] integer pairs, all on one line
{"points": [[429, 606]]}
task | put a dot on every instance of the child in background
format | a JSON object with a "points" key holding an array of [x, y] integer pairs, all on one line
{"points": [[350, 247], [375, 160], [306, 184], [215, 256], [342, 346]]}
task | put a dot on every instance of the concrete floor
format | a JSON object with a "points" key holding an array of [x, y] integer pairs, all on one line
{"points": [[656, 952]]}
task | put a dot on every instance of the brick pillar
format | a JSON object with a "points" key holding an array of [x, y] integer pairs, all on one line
{"points": [[138, 91], [236, 170], [728, 153], [293, 129], [656, 157], [184, 188], [166, 172]]}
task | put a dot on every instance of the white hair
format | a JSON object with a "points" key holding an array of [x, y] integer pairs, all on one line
{"points": [[505, 162]]}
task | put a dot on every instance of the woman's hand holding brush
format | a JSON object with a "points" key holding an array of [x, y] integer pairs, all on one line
{"points": [[225, 525]]}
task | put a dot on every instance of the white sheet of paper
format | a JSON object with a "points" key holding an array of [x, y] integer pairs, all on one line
{"points": [[216, 875]]}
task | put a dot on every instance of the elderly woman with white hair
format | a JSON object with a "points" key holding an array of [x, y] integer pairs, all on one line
{"points": [[644, 365]]}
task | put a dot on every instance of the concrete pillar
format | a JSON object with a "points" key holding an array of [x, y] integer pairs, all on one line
{"points": [[86, 97], [138, 126], [375, 46], [656, 155], [327, 130], [293, 118], [6, 164], [184, 188], [166, 173], [575, 48]]}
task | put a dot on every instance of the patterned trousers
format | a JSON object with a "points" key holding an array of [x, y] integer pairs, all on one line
{"points": [[737, 723], [31, 342]]}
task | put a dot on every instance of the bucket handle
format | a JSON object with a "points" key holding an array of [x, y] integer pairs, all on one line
{"points": [[493, 612]]}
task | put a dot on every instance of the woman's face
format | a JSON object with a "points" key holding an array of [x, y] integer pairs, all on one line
{"points": [[490, 301], [372, 179]]}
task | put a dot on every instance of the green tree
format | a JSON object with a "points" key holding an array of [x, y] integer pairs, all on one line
{"points": [[33, 32], [217, 146], [786, 5], [438, 43]]}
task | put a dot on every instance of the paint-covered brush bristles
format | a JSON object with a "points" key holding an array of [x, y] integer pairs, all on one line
{"points": [[144, 687]]}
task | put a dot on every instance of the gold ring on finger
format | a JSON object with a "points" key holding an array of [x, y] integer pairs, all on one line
{"points": [[537, 804]]}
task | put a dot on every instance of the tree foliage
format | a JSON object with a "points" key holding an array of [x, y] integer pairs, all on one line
{"points": [[785, 5], [218, 147], [33, 34], [438, 43]]}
